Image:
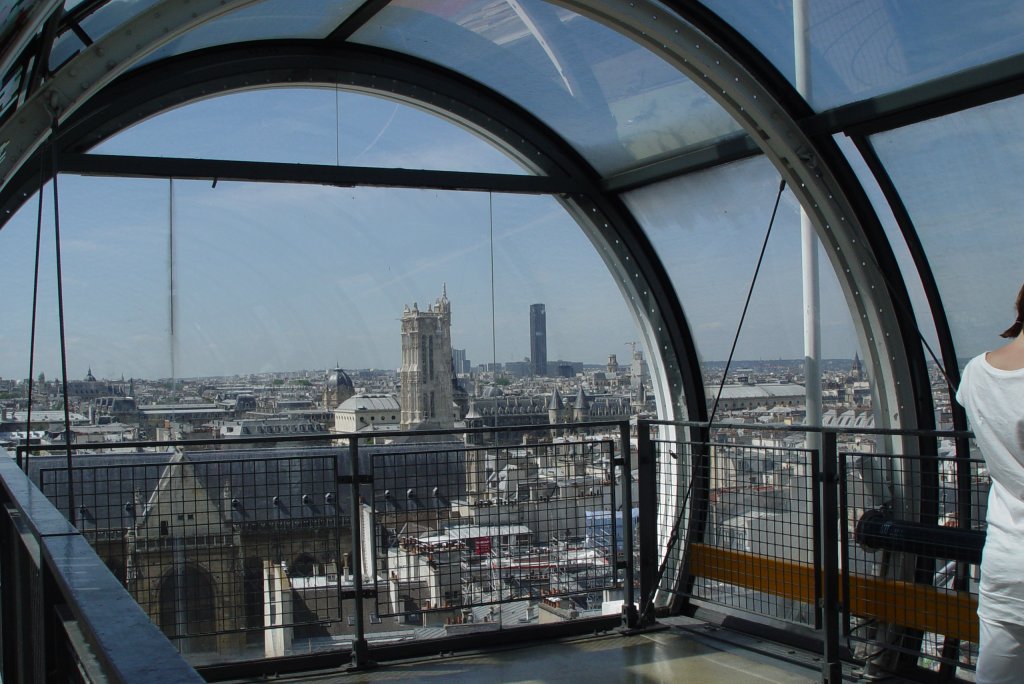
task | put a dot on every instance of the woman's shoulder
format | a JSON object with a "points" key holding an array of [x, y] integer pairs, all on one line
{"points": [[979, 360], [1009, 357]]}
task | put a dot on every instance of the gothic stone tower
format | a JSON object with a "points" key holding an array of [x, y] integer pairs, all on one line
{"points": [[426, 374]]}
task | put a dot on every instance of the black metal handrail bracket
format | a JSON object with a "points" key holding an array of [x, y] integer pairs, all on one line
{"points": [[63, 615]]}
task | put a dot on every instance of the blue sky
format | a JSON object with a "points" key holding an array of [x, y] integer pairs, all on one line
{"points": [[282, 277]]}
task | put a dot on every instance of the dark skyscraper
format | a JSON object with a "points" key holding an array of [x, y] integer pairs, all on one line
{"points": [[538, 340]]}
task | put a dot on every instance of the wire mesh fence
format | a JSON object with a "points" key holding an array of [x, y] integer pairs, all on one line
{"points": [[219, 552], [250, 553], [487, 537], [912, 530], [253, 552], [750, 542]]}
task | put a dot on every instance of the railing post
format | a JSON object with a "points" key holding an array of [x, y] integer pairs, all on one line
{"points": [[630, 617], [360, 649], [15, 614], [647, 493], [831, 668]]}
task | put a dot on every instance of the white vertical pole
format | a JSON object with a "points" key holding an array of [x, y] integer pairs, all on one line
{"points": [[809, 248]]}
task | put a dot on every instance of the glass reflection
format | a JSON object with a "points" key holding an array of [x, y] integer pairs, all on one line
{"points": [[959, 178], [614, 101], [863, 49], [708, 229], [312, 126]]}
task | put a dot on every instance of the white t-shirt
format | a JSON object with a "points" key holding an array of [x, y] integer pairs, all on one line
{"points": [[994, 400]]}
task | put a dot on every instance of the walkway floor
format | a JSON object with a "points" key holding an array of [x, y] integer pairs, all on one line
{"points": [[681, 653]]}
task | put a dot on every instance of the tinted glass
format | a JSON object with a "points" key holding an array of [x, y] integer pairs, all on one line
{"points": [[618, 104], [959, 178], [313, 126], [941, 394], [863, 49], [708, 229], [272, 19]]}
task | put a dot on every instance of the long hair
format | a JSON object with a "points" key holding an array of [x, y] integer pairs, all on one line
{"points": [[1015, 329]]}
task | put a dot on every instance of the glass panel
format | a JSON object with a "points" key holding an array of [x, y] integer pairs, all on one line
{"points": [[114, 255], [325, 305], [301, 125], [272, 19], [959, 177], [267, 285], [708, 229], [941, 394], [863, 49], [112, 14], [277, 277], [615, 102], [264, 280], [66, 46]]}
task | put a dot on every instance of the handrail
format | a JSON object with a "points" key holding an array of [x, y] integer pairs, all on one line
{"points": [[320, 437], [119, 638], [816, 429]]}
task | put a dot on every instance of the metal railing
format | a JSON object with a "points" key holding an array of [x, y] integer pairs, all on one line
{"points": [[874, 552], [63, 616], [294, 547], [296, 554]]}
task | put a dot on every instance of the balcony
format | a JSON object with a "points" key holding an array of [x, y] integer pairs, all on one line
{"points": [[743, 549]]}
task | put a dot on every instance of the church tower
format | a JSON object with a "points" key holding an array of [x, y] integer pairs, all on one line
{"points": [[581, 409], [857, 369], [426, 374]]}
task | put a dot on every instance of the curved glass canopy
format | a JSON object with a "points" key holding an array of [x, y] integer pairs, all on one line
{"points": [[660, 128], [821, 191]]}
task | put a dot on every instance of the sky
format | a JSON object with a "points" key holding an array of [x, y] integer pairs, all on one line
{"points": [[281, 277], [276, 277]]}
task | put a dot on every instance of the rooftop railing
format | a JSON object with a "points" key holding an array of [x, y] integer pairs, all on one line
{"points": [[289, 553], [63, 615]]}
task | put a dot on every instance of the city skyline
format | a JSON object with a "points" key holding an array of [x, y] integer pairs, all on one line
{"points": [[739, 366]]}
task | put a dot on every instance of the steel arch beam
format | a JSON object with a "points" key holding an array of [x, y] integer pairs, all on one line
{"points": [[129, 166], [95, 67]]}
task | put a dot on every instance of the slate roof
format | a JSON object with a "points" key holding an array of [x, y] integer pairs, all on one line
{"points": [[252, 486]]}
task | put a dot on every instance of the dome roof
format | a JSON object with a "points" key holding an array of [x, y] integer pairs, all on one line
{"points": [[339, 378]]}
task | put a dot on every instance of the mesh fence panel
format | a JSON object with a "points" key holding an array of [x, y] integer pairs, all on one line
{"points": [[926, 606], [218, 552], [490, 537], [754, 547]]}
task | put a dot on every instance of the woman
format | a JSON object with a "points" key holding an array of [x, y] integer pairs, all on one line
{"points": [[992, 391]]}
